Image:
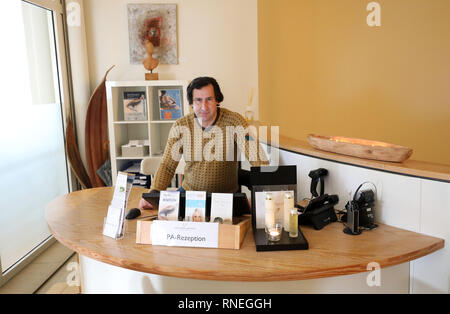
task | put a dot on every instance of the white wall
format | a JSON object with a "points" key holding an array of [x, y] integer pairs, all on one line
{"points": [[99, 277], [215, 38]]}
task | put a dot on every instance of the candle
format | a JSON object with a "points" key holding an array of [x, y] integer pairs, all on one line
{"points": [[274, 232], [293, 228], [288, 205], [269, 211]]}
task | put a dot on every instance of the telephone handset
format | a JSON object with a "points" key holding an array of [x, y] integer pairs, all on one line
{"points": [[319, 212], [316, 176], [318, 202]]}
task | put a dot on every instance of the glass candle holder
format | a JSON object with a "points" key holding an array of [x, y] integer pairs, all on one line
{"points": [[274, 232]]}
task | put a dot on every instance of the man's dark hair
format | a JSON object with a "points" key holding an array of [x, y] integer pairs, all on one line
{"points": [[201, 82]]}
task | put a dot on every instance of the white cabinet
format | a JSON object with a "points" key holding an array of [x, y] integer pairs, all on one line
{"points": [[153, 130]]}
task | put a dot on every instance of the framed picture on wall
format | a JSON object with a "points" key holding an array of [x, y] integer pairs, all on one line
{"points": [[156, 23]]}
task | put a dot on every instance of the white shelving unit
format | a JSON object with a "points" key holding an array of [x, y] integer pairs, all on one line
{"points": [[153, 129]]}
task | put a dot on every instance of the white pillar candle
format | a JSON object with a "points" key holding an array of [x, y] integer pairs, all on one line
{"points": [[269, 211], [288, 205]]}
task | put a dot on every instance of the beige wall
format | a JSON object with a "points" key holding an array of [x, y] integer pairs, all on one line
{"points": [[323, 70], [215, 38]]}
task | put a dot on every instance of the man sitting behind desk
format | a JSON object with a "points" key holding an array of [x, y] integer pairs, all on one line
{"points": [[207, 139]]}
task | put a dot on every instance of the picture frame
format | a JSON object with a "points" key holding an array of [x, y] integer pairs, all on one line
{"points": [[156, 23], [170, 103]]}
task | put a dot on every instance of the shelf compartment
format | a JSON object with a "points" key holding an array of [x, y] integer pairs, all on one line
{"points": [[160, 135], [174, 91], [124, 132], [117, 94]]}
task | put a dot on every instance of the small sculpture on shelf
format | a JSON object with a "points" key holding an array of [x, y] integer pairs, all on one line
{"points": [[150, 63]]}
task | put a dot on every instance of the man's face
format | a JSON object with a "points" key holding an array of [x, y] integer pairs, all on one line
{"points": [[205, 104]]}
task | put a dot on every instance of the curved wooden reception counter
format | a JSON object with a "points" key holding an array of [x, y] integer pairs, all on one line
{"points": [[76, 220], [412, 208]]}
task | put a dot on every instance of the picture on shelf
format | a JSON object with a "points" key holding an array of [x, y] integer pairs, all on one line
{"points": [[134, 106], [170, 106]]}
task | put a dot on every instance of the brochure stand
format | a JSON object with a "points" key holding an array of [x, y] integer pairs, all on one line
{"points": [[114, 222]]}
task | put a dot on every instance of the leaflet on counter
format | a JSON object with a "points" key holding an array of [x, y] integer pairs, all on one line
{"points": [[115, 219]]}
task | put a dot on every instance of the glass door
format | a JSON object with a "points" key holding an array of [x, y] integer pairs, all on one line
{"points": [[33, 101]]}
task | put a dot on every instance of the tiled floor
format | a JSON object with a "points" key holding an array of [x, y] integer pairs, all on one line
{"points": [[44, 274], [57, 284]]}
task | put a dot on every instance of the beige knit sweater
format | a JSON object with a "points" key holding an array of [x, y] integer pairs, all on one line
{"points": [[210, 154]]}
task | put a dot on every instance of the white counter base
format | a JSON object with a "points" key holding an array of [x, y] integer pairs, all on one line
{"points": [[99, 277]]}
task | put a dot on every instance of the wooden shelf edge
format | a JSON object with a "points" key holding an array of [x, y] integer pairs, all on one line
{"points": [[410, 167]]}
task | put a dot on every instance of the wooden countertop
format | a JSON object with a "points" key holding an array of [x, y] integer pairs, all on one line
{"points": [[409, 167], [76, 220]]}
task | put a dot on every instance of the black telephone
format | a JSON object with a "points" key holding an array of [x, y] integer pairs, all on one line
{"points": [[316, 176], [319, 212], [321, 201]]}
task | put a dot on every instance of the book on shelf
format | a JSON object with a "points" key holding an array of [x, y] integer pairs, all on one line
{"points": [[134, 106], [170, 107]]}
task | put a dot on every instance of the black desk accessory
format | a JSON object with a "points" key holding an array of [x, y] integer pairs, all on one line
{"points": [[133, 213], [316, 176], [360, 212], [319, 212], [286, 243], [281, 178], [240, 203]]}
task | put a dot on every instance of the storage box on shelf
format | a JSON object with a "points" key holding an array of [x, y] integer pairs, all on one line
{"points": [[135, 151], [161, 99]]}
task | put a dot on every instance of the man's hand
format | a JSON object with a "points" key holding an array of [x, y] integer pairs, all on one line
{"points": [[143, 204]]}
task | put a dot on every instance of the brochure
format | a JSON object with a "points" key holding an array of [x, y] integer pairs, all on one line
{"points": [[195, 206], [114, 222], [169, 204], [222, 208]]}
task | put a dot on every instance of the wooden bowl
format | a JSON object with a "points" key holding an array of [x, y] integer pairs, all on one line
{"points": [[360, 148]]}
